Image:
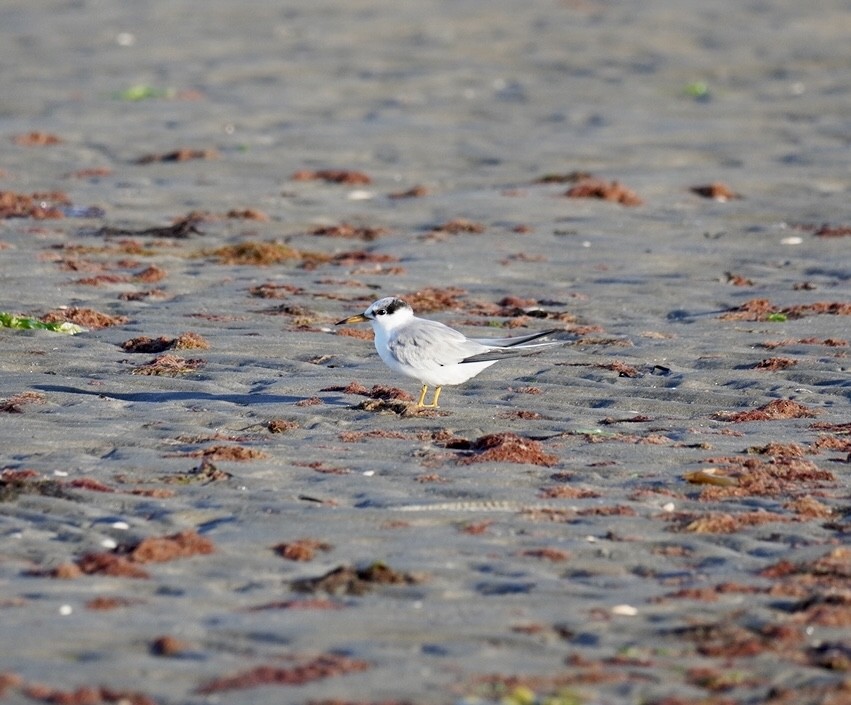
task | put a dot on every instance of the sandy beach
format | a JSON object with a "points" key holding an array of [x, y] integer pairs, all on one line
{"points": [[212, 494]]}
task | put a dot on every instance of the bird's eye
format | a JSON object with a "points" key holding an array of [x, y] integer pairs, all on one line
{"points": [[380, 312]]}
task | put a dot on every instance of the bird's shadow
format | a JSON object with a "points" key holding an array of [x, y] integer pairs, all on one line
{"points": [[191, 395]]}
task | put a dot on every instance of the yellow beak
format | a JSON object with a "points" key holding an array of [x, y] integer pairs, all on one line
{"points": [[359, 318]]}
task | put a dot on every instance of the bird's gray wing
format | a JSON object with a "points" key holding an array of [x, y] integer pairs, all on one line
{"points": [[511, 342], [502, 353], [425, 343]]}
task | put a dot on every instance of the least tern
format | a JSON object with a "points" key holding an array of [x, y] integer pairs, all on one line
{"points": [[433, 353]]}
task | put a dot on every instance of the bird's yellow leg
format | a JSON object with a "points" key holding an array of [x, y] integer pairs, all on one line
{"points": [[436, 397], [421, 401]]}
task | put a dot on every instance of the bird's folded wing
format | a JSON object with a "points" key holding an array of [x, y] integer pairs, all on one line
{"points": [[431, 344]]}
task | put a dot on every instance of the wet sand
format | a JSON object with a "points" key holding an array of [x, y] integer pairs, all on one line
{"points": [[655, 512]]}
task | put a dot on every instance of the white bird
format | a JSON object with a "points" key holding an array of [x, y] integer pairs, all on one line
{"points": [[433, 353]]}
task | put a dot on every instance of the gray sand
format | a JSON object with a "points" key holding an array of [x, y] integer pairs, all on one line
{"points": [[560, 577]]}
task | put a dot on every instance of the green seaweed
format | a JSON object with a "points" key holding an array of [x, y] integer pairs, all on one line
{"points": [[142, 91], [10, 320], [697, 89]]}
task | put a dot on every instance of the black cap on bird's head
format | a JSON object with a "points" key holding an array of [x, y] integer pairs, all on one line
{"points": [[378, 309]]}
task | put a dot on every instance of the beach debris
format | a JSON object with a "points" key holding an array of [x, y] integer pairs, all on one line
{"points": [[169, 366], [301, 549], [259, 253], [39, 205], [773, 364], [310, 603], [505, 447], [567, 492], [310, 401], [206, 472], [15, 404], [346, 230], [202, 216], [355, 258], [475, 528], [417, 191], [182, 154], [779, 476], [169, 646], [554, 555], [830, 571], [85, 695], [621, 368], [829, 342], [717, 191], [570, 177], [271, 290], [720, 522], [521, 415], [184, 341], [808, 507], [281, 425], [322, 467], [333, 176], [458, 226], [224, 452], [613, 191], [435, 298], [125, 560], [247, 214], [764, 310], [147, 275], [600, 436], [161, 549], [83, 317], [104, 603], [88, 483], [772, 411], [833, 231], [378, 391], [299, 673], [92, 172], [710, 476], [36, 139], [180, 229], [14, 483], [348, 580], [399, 407], [638, 418], [737, 279], [523, 257]]}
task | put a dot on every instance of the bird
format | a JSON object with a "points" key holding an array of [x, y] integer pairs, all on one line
{"points": [[432, 352]]}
